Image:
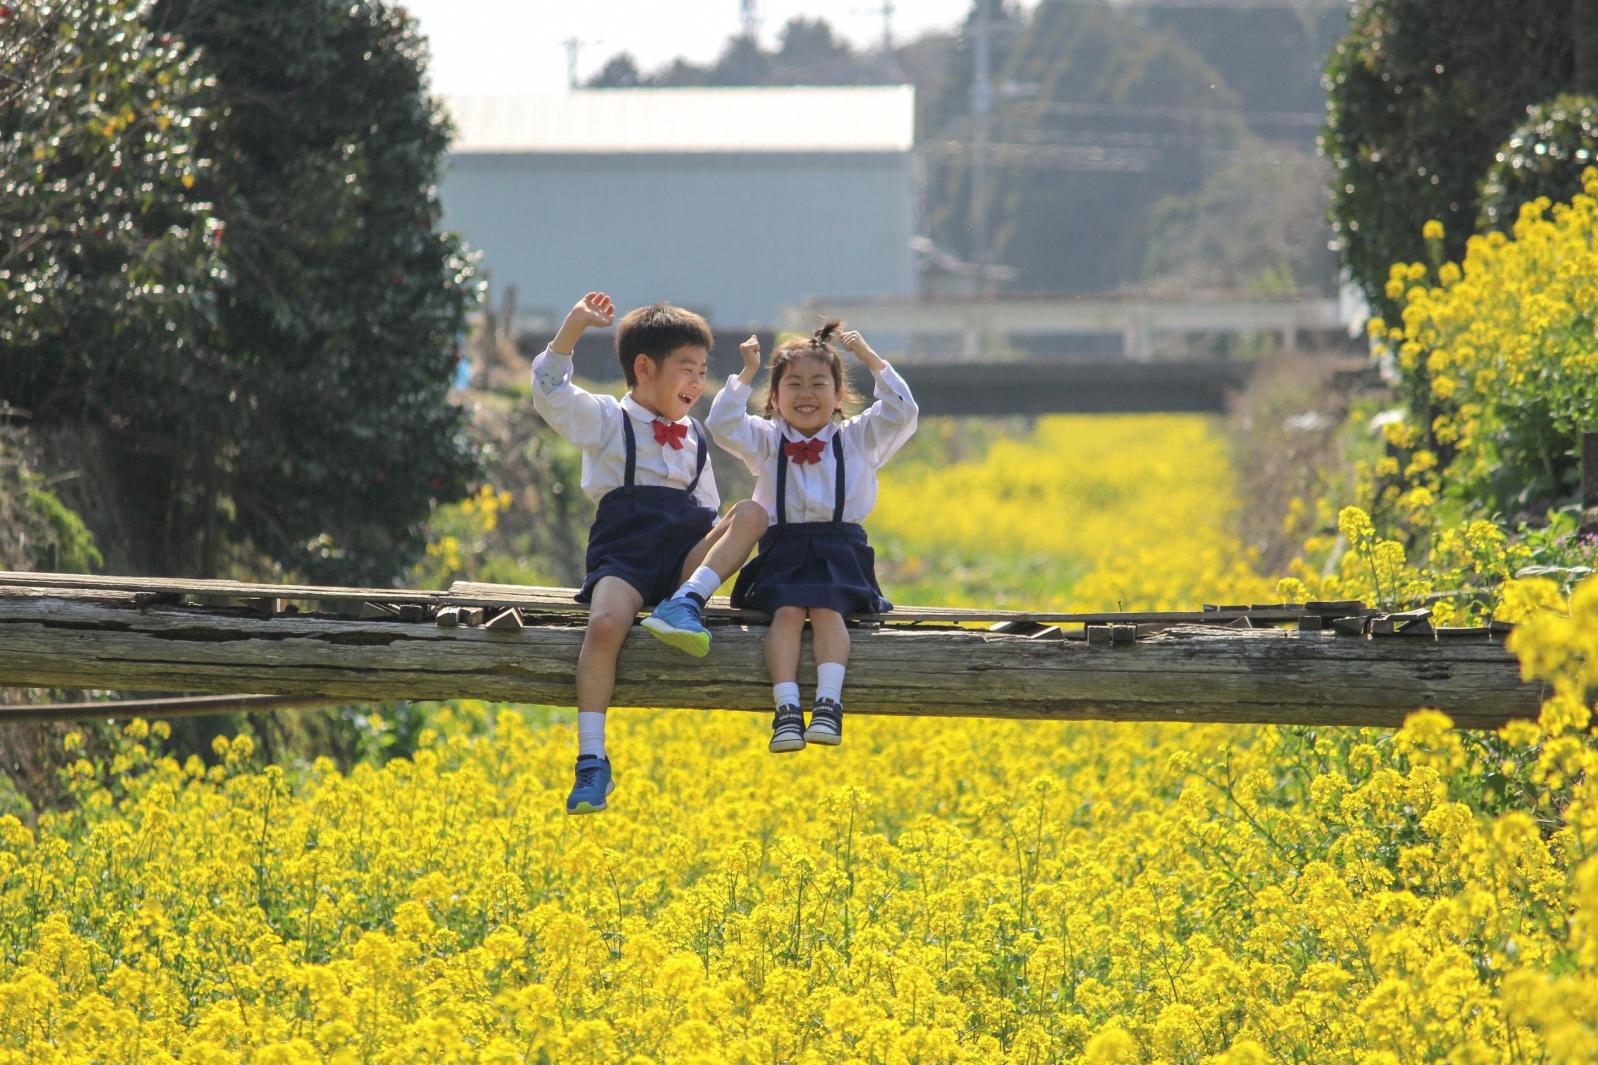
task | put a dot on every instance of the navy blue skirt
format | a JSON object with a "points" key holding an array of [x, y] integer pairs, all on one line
{"points": [[643, 535], [824, 564]]}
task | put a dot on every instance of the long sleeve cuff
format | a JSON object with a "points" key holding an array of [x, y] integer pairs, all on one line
{"points": [[551, 370], [889, 383]]}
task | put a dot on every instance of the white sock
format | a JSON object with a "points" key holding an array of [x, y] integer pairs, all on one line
{"points": [[703, 583], [829, 681], [591, 732], [785, 694]]}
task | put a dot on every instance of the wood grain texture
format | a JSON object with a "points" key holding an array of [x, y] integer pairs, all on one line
{"points": [[1186, 673]]}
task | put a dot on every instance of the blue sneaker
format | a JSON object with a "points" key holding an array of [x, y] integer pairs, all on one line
{"points": [[594, 783], [677, 622]]}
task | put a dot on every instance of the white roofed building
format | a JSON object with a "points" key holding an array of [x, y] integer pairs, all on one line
{"points": [[730, 201]]}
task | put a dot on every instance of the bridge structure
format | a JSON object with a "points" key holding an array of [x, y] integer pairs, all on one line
{"points": [[1137, 318], [912, 331]]}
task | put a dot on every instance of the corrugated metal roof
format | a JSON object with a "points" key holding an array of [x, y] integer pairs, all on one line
{"points": [[865, 118]]}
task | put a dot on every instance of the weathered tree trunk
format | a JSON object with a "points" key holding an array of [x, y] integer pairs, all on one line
{"points": [[1186, 673]]}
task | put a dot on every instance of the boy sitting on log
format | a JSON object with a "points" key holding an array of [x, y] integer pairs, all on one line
{"points": [[656, 537]]}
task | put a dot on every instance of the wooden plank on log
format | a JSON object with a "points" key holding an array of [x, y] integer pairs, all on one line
{"points": [[165, 707], [536, 598], [1186, 673], [507, 620]]}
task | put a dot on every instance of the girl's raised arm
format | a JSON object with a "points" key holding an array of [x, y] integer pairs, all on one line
{"points": [[891, 420]]}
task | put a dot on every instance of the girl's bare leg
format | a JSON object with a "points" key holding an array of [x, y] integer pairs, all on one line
{"points": [[782, 644], [829, 636]]}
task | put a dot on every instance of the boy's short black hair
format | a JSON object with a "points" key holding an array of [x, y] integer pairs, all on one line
{"points": [[656, 331]]}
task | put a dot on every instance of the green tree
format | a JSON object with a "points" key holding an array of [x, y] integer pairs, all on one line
{"points": [[1417, 106], [296, 414], [346, 298], [108, 261], [808, 52], [1084, 137], [1544, 156]]}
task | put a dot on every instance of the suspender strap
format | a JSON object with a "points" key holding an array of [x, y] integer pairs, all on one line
{"points": [[838, 483], [782, 478], [632, 451], [699, 468]]}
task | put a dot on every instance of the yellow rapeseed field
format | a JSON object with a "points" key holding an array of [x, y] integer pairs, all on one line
{"points": [[933, 891]]}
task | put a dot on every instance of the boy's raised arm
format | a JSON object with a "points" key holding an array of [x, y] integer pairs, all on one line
{"points": [[729, 421], [577, 415]]}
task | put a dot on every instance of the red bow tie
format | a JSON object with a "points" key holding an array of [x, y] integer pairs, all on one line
{"points": [[670, 433], [801, 453]]}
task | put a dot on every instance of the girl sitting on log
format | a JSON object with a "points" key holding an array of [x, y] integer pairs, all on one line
{"points": [[816, 476]]}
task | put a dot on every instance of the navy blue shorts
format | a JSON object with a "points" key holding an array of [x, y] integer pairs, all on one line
{"points": [[643, 535], [823, 564]]}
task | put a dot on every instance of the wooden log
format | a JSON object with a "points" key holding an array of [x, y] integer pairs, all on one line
{"points": [[1184, 673]]}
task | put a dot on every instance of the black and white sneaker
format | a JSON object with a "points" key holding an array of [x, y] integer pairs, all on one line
{"points": [[787, 729], [826, 723]]}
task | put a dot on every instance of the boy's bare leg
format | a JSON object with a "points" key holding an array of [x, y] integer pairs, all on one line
{"points": [[611, 611], [679, 620], [610, 614], [726, 547], [831, 645]]}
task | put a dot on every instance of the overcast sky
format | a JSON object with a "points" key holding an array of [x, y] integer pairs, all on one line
{"points": [[513, 46]]}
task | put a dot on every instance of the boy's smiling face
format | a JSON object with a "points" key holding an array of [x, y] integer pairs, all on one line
{"points": [[671, 388]]}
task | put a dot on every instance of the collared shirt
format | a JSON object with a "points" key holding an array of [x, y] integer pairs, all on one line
{"points": [[870, 439], [593, 424]]}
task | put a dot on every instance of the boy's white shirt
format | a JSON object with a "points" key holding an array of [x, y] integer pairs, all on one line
{"points": [[592, 423], [873, 435]]}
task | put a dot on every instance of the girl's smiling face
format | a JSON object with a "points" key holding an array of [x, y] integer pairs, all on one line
{"points": [[807, 395]]}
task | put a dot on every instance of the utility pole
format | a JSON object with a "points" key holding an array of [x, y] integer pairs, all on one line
{"points": [[749, 18], [981, 105], [572, 46], [890, 63]]}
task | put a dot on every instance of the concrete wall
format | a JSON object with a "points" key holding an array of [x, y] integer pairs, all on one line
{"points": [[734, 236]]}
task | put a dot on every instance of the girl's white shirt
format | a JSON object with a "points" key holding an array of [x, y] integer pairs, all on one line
{"points": [[870, 439], [593, 425]]}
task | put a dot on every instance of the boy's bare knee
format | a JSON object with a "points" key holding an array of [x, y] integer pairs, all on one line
{"points": [[609, 626], [789, 615]]}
